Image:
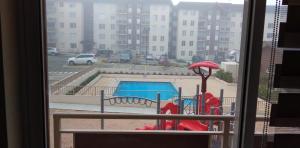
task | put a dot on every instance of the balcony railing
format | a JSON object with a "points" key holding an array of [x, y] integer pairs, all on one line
{"points": [[225, 131]]}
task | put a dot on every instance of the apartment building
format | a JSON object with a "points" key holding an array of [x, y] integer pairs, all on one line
{"points": [[105, 26], [150, 27], [65, 25], [159, 29], [138, 26], [207, 30]]}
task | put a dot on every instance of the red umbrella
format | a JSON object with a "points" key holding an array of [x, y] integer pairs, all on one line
{"points": [[207, 64], [196, 67]]}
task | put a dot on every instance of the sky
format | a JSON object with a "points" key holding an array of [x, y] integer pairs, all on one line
{"points": [[224, 1]]}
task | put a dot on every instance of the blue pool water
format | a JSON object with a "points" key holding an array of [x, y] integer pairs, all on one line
{"points": [[147, 90]]}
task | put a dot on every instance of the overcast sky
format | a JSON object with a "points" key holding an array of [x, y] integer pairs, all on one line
{"points": [[224, 1]]}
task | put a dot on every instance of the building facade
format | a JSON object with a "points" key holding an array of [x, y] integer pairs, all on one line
{"points": [[65, 25], [208, 31]]}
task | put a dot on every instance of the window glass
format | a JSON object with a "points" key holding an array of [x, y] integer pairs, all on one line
{"points": [[144, 48]]}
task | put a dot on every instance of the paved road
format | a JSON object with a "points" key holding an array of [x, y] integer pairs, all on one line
{"points": [[58, 69]]}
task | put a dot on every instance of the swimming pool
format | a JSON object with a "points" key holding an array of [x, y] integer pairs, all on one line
{"points": [[147, 90]]}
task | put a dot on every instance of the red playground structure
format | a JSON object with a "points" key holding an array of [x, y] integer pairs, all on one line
{"points": [[206, 104]]}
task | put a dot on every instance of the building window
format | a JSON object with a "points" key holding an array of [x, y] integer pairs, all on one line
{"points": [[101, 46], [192, 22], [153, 48], [191, 43], [270, 25], [162, 38], [184, 22], [101, 26], [154, 38], [112, 26], [61, 25], [183, 33], [182, 43], [102, 36], [191, 33], [163, 18], [190, 53], [182, 53], [72, 25], [51, 24], [73, 45], [162, 48]]}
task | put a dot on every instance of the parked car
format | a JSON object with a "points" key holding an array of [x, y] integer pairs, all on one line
{"points": [[104, 53], [163, 60], [125, 57], [52, 51], [82, 59], [150, 57]]}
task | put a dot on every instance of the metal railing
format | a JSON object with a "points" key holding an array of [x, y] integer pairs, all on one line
{"points": [[225, 132]]}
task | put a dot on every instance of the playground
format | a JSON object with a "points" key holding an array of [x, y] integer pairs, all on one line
{"points": [[202, 94]]}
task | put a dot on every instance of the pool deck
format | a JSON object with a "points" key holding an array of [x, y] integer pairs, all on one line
{"points": [[96, 108], [187, 83]]}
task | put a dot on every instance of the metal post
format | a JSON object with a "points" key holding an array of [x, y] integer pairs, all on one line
{"points": [[225, 141], [221, 107], [197, 99], [102, 108], [232, 110], [179, 106], [211, 122], [203, 104], [158, 111]]}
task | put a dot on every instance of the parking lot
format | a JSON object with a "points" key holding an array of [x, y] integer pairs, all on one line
{"points": [[59, 69]]}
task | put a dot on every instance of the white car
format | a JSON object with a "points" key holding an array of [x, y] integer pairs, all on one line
{"points": [[52, 51], [83, 59]]}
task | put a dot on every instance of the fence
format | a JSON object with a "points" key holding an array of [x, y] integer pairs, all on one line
{"points": [[225, 131], [62, 83]]}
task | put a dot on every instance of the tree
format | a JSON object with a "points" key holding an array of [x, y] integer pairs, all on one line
{"points": [[226, 76]]}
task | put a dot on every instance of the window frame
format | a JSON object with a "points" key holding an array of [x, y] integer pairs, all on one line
{"points": [[32, 27], [3, 133]]}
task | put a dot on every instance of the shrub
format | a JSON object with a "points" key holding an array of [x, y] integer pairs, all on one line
{"points": [[82, 84], [226, 76]]}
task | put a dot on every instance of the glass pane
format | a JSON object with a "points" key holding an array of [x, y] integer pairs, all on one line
{"points": [[270, 90], [151, 57]]}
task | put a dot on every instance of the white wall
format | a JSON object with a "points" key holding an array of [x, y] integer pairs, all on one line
{"points": [[105, 13], [159, 28], [188, 16], [236, 30], [69, 12]]}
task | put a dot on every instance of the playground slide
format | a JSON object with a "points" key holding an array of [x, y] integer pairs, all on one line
{"points": [[192, 125]]}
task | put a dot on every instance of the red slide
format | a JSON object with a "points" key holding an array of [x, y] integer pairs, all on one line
{"points": [[192, 125]]}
